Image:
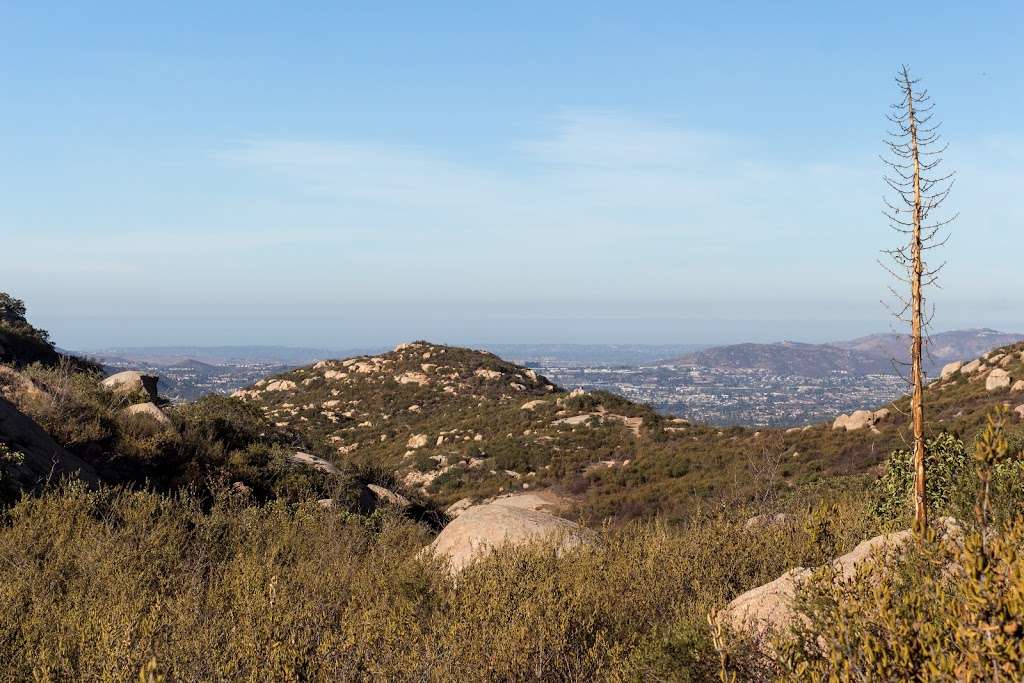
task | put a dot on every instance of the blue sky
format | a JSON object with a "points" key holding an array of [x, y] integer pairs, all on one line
{"points": [[338, 174]]}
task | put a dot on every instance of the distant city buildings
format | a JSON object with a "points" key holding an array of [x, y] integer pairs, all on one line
{"points": [[735, 396]]}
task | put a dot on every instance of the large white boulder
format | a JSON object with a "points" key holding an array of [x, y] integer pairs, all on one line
{"points": [[769, 608], [997, 379], [481, 529], [950, 369], [150, 410], [972, 367], [859, 419], [132, 381]]}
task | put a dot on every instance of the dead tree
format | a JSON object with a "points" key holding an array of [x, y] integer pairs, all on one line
{"points": [[919, 188]]}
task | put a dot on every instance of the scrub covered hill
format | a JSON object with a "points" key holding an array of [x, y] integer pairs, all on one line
{"points": [[455, 423]]}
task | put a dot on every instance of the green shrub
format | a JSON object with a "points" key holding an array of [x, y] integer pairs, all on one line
{"points": [[952, 482], [945, 610], [945, 607], [946, 464]]}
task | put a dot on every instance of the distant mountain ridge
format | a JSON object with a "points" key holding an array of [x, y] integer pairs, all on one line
{"points": [[872, 354], [787, 358], [942, 347], [220, 355]]}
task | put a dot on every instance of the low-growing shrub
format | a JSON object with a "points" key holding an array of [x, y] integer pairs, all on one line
{"points": [[100, 585]]}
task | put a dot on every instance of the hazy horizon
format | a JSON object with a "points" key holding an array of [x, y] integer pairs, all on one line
{"points": [[759, 333]]}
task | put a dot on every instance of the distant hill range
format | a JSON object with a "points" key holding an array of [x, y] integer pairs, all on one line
{"points": [[874, 354], [166, 356]]}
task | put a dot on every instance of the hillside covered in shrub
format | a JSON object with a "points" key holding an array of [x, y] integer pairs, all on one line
{"points": [[292, 532], [455, 423]]}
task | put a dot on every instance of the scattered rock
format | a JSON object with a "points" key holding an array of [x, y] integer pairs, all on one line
{"points": [[997, 379], [241, 489], [132, 381], [413, 378], [859, 419], [388, 496], [416, 441], [149, 410], [766, 520], [280, 385], [1018, 385], [314, 462], [1019, 411], [972, 367], [487, 374], [530, 405], [574, 420], [950, 369], [479, 530]]}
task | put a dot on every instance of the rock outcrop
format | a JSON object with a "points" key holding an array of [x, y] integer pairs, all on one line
{"points": [[997, 379], [481, 529], [769, 608], [950, 369], [280, 385], [859, 419], [313, 461], [974, 366], [388, 496], [34, 456], [131, 382]]}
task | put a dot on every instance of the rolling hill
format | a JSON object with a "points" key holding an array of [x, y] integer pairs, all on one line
{"points": [[787, 358], [455, 424], [873, 354]]}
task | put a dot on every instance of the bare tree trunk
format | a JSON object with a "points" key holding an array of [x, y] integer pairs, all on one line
{"points": [[919, 189], [916, 402]]}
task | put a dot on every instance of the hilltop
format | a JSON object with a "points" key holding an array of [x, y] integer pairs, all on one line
{"points": [[941, 347], [873, 354], [457, 424]]}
